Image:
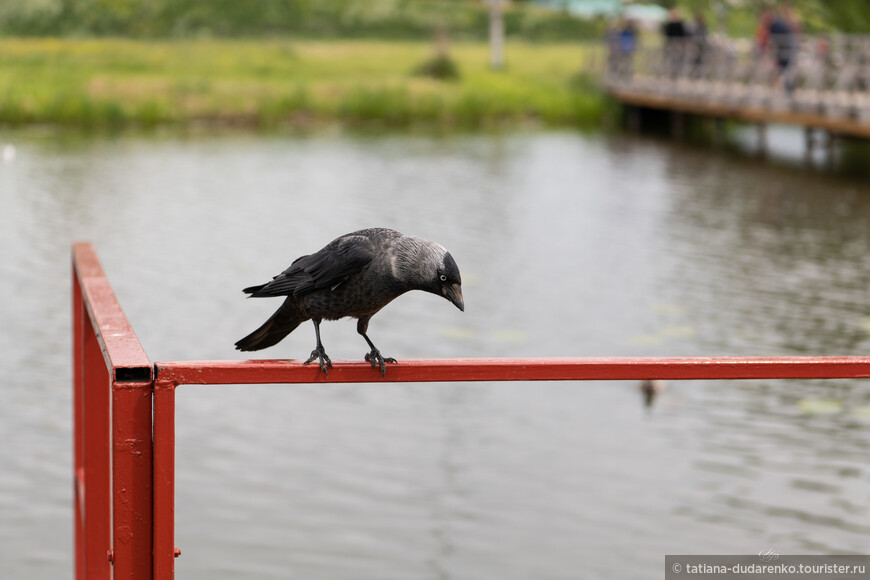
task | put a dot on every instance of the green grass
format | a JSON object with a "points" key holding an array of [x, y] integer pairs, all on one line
{"points": [[118, 83]]}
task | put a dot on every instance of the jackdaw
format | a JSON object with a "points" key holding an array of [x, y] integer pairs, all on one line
{"points": [[355, 275]]}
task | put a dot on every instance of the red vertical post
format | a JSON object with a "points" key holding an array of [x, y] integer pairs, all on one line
{"points": [[131, 479], [78, 313], [97, 475], [113, 384], [164, 479]]}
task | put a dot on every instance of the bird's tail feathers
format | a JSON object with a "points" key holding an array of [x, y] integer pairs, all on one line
{"points": [[279, 325], [252, 290]]}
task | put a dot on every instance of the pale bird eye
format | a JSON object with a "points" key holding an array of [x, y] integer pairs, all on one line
{"points": [[443, 278]]}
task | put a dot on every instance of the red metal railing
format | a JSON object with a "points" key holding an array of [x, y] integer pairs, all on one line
{"points": [[112, 416], [133, 462]]}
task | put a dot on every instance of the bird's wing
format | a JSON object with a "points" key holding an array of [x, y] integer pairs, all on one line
{"points": [[326, 268]]}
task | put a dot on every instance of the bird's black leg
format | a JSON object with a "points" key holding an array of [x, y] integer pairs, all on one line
{"points": [[374, 357], [319, 352]]}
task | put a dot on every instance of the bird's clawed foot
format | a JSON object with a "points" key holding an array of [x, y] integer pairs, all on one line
{"points": [[320, 354], [378, 361]]}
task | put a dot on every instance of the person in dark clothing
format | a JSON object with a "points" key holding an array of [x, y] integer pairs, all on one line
{"points": [[627, 46], [628, 38], [674, 28], [622, 41], [783, 45], [699, 44], [675, 33]]}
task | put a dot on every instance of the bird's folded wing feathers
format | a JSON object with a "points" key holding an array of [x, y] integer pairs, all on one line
{"points": [[326, 268]]}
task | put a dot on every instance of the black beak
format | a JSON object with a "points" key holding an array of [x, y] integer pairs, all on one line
{"points": [[454, 294]]}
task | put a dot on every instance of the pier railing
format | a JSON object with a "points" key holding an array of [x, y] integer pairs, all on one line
{"points": [[821, 81], [124, 415]]}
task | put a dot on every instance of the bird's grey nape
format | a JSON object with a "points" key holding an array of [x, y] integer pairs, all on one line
{"points": [[423, 256]]}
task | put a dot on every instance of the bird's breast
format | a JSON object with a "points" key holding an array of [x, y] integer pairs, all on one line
{"points": [[354, 297]]}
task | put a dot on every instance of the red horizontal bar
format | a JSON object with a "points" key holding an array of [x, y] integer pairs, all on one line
{"points": [[516, 369]]}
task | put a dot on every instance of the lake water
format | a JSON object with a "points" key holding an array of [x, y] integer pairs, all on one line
{"points": [[569, 245]]}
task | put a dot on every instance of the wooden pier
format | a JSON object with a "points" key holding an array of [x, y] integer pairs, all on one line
{"points": [[825, 84]]}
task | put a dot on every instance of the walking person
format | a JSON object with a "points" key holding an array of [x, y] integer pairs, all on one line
{"points": [[675, 33], [783, 46]]}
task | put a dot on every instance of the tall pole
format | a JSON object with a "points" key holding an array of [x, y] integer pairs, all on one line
{"points": [[496, 34]]}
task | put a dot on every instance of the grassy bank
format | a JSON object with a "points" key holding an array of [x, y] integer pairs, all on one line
{"points": [[118, 83]]}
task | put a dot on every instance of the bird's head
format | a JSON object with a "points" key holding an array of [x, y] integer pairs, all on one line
{"points": [[449, 282], [434, 270]]}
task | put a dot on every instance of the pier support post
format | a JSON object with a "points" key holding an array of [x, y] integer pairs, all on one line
{"points": [[762, 139], [678, 124], [809, 145], [830, 147], [719, 131], [632, 118]]}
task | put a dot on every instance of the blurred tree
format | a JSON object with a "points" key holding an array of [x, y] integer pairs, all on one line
{"points": [[851, 16], [739, 17], [376, 18]]}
